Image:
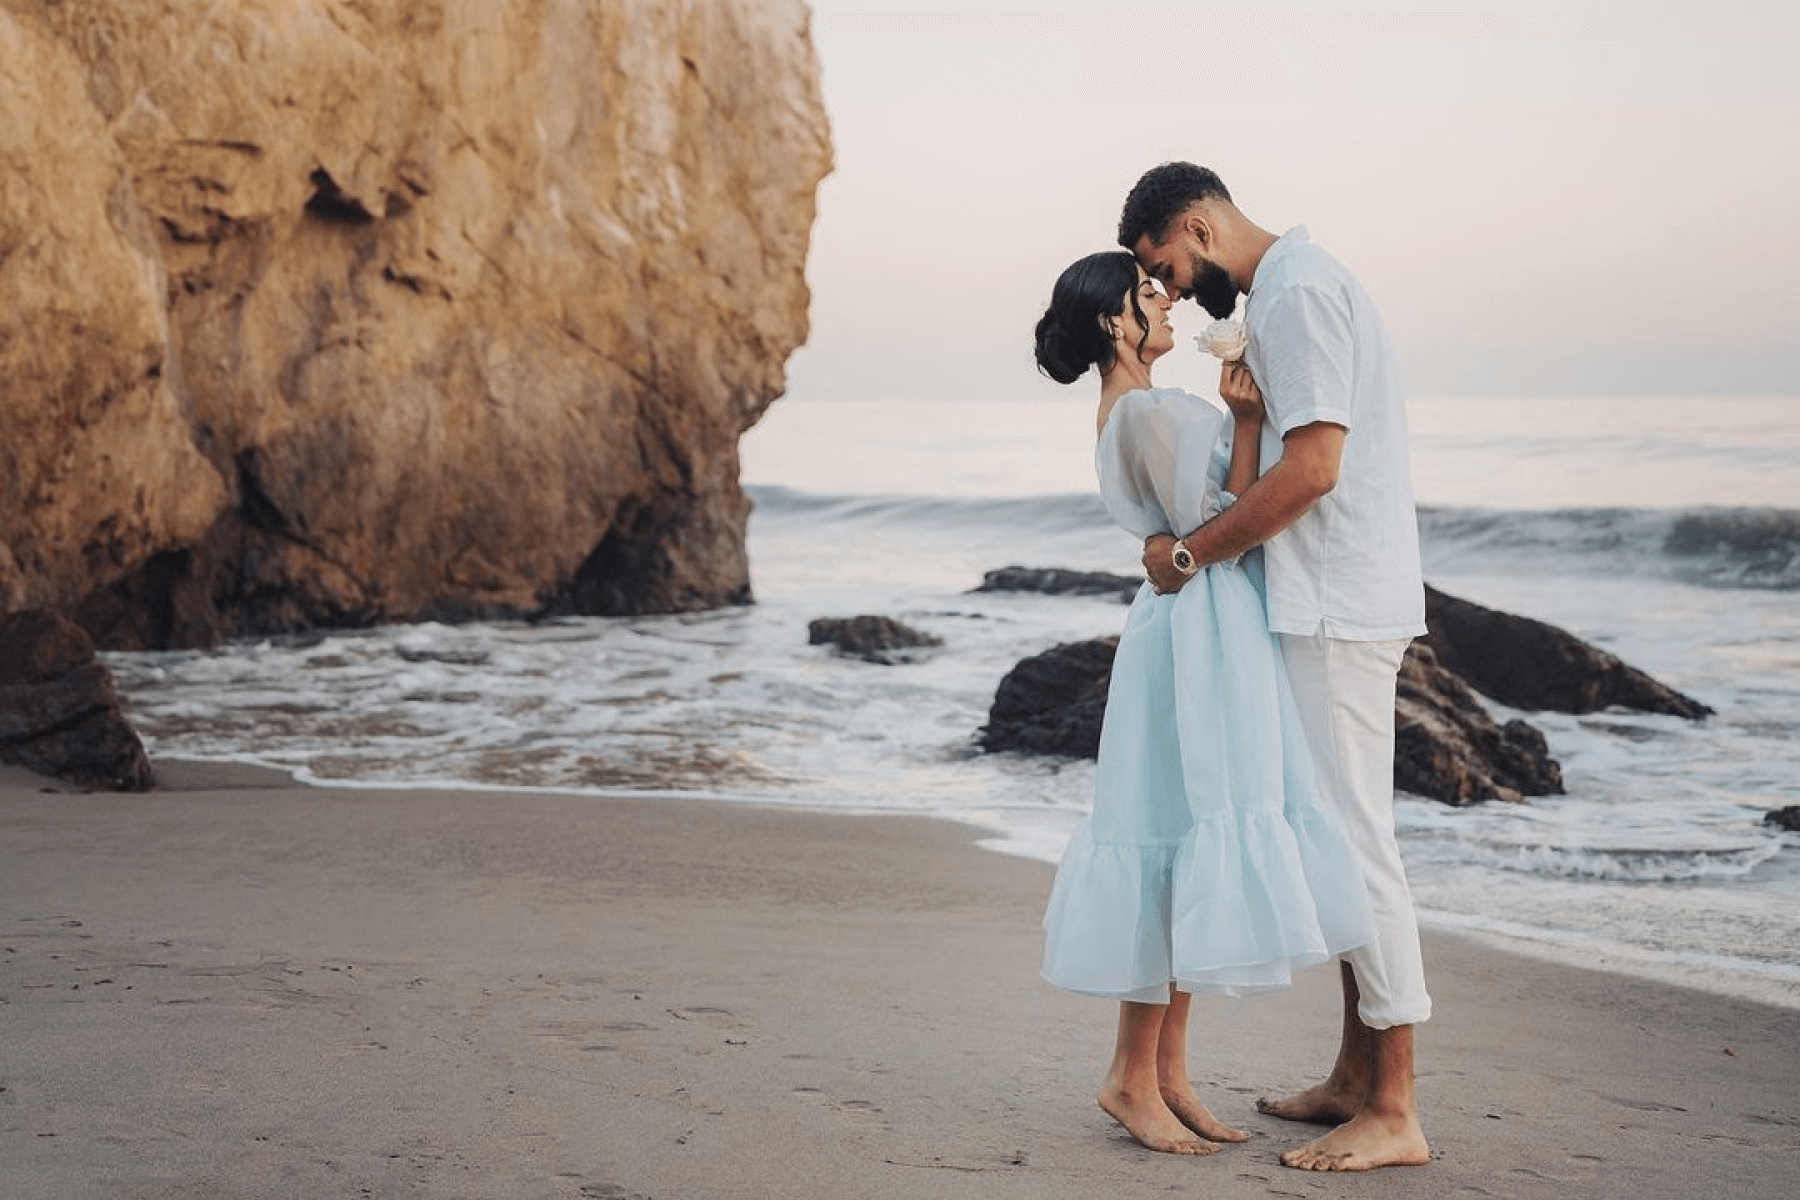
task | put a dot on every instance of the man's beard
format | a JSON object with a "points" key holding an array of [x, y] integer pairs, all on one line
{"points": [[1212, 288]]}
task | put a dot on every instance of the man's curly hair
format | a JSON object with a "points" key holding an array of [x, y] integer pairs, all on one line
{"points": [[1158, 197]]}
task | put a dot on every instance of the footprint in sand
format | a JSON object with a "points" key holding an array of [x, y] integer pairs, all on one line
{"points": [[855, 1108], [608, 1191], [1643, 1105]]}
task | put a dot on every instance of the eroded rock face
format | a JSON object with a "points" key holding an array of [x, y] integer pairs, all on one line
{"points": [[1526, 663], [314, 313], [59, 714], [98, 464], [1447, 747]]}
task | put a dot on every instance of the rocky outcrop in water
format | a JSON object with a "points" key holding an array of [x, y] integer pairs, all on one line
{"points": [[1787, 818], [873, 639], [1520, 662], [1447, 747], [1528, 664], [1057, 581], [58, 712], [317, 313], [1053, 702]]}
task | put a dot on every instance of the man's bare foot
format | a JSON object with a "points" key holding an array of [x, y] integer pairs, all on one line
{"points": [[1363, 1144], [1196, 1116], [1150, 1121], [1326, 1104]]}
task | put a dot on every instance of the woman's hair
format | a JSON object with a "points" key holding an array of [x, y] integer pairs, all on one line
{"points": [[1070, 334]]}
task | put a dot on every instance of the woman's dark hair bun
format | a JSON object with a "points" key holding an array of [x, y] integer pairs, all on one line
{"points": [[1055, 357], [1069, 334]]}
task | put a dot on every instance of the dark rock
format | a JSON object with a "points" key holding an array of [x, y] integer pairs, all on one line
{"points": [[58, 712], [1055, 581], [1528, 664], [1447, 747], [872, 639], [455, 658], [1053, 702], [1784, 818]]}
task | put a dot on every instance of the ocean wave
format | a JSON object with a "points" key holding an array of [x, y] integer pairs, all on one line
{"points": [[1067, 510], [1748, 548], [1744, 971], [1613, 864], [1755, 548]]}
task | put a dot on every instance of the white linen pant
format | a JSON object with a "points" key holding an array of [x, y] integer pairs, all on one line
{"points": [[1345, 692]]}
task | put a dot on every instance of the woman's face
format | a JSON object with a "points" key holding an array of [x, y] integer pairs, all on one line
{"points": [[1155, 305]]}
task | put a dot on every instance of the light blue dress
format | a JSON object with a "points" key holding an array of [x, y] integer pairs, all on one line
{"points": [[1208, 860]]}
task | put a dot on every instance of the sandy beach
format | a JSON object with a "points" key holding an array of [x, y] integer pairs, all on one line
{"points": [[237, 987]]}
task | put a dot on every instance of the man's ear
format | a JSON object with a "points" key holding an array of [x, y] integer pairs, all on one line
{"points": [[1195, 223]]}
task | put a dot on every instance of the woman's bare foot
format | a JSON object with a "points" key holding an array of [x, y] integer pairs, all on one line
{"points": [[1326, 1104], [1363, 1144], [1150, 1121], [1196, 1116]]}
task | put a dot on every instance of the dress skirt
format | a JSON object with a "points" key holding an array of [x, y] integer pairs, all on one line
{"points": [[1208, 861]]}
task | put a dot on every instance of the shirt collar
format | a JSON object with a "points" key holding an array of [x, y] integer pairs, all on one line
{"points": [[1296, 236]]}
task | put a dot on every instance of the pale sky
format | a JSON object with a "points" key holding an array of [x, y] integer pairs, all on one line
{"points": [[1545, 197]]}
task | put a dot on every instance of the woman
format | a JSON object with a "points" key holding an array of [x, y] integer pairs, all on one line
{"points": [[1208, 863]]}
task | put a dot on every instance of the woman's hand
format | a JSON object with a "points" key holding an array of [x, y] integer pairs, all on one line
{"points": [[1239, 391]]}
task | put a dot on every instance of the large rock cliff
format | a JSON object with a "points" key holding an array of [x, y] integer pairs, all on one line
{"points": [[319, 312]]}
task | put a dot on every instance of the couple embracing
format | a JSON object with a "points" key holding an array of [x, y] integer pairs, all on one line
{"points": [[1243, 810]]}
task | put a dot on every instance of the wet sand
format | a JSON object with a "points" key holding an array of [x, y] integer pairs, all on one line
{"points": [[238, 987]]}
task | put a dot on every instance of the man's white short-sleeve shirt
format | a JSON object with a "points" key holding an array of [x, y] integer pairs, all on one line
{"points": [[1348, 568]]}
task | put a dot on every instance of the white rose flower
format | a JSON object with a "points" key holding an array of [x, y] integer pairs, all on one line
{"points": [[1224, 339]]}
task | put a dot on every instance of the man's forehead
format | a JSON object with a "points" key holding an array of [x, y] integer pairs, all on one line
{"points": [[1154, 259]]}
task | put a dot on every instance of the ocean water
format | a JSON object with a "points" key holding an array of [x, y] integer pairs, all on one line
{"points": [[1666, 531]]}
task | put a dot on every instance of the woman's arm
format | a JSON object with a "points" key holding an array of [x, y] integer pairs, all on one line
{"points": [[1242, 397]]}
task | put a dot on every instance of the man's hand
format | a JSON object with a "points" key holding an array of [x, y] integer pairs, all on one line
{"points": [[1157, 568]]}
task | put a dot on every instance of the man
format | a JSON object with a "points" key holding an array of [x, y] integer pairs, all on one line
{"points": [[1334, 510]]}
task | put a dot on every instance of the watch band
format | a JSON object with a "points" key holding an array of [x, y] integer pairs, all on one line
{"points": [[1183, 559]]}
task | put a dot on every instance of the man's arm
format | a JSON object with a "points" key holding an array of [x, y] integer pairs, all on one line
{"points": [[1307, 470]]}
